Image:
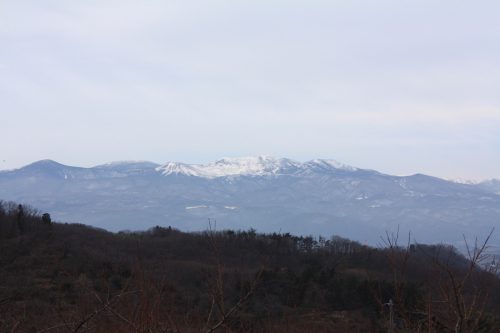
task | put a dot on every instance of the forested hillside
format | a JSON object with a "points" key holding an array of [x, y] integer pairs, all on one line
{"points": [[58, 277]]}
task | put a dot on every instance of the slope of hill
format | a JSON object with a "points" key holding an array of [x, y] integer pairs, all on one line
{"points": [[74, 278]]}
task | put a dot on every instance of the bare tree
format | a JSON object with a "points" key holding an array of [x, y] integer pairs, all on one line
{"points": [[461, 292]]}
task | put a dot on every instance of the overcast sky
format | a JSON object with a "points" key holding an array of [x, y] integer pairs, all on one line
{"points": [[398, 86]]}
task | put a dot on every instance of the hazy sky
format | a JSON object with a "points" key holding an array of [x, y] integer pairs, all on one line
{"points": [[398, 86]]}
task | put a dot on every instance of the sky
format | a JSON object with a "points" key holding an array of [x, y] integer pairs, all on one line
{"points": [[398, 86]]}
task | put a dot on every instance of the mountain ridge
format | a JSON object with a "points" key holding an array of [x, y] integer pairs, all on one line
{"points": [[192, 169], [269, 194]]}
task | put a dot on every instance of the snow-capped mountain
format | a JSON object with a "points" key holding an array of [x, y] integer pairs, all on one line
{"points": [[270, 194], [250, 166]]}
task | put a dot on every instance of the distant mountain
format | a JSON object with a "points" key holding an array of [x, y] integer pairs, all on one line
{"points": [[270, 194], [250, 166]]}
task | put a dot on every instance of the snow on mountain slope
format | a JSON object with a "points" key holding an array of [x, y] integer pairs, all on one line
{"points": [[327, 165], [464, 181], [250, 166], [492, 185], [177, 168], [259, 166]]}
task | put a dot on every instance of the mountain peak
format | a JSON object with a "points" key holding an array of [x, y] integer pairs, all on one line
{"points": [[44, 164], [49, 168], [178, 168], [46, 161], [228, 166], [250, 166]]}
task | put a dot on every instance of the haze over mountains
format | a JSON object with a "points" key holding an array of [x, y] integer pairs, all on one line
{"points": [[270, 194]]}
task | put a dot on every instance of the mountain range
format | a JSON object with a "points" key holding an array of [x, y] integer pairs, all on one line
{"points": [[317, 197]]}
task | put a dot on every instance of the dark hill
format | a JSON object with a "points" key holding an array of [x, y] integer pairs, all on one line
{"points": [[73, 278]]}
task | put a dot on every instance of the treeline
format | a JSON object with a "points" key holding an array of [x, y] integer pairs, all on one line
{"points": [[73, 278]]}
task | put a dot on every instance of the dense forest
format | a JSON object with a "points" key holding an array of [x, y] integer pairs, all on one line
{"points": [[57, 277]]}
